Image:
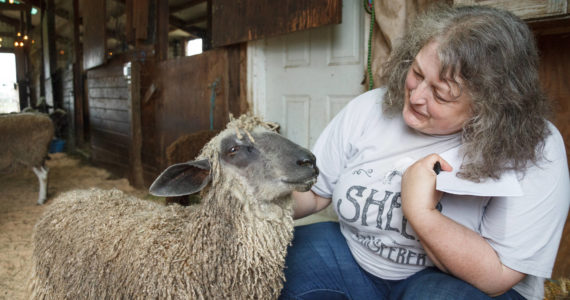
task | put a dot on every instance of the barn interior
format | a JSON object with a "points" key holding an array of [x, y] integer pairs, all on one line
{"points": [[134, 77]]}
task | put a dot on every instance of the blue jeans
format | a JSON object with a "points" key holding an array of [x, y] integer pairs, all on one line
{"points": [[319, 265]]}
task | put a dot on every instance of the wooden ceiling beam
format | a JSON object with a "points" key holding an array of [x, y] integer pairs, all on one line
{"points": [[184, 5], [197, 20], [10, 21], [36, 3], [8, 34], [195, 31], [8, 6], [176, 22], [60, 12]]}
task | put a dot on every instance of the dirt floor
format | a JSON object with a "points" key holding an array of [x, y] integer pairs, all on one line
{"points": [[19, 212]]}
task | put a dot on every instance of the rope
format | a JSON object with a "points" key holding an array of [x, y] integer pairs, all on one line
{"points": [[213, 101], [369, 64]]}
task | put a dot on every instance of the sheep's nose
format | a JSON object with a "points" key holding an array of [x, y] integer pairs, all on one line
{"points": [[308, 160]]}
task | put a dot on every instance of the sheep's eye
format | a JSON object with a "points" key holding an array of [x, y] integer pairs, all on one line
{"points": [[233, 150]]}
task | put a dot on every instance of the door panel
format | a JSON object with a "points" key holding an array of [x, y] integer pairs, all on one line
{"points": [[310, 75]]}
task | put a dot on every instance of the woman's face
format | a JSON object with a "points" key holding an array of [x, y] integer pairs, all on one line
{"points": [[434, 105]]}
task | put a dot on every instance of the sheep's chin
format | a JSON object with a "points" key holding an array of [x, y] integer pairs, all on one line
{"points": [[302, 186]]}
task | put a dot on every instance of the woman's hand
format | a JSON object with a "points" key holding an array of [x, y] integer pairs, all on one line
{"points": [[452, 247], [418, 186]]}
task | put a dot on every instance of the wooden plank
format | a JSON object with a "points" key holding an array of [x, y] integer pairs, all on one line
{"points": [[120, 116], [94, 39], [108, 82], [525, 9], [104, 122], [150, 154], [8, 6], [185, 5], [237, 74], [140, 19], [110, 160], [106, 103], [246, 20], [114, 71], [49, 53], [110, 126], [135, 133], [101, 137], [185, 96], [554, 72], [115, 92], [161, 44]]}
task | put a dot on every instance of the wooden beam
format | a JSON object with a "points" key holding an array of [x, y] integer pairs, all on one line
{"points": [[196, 31], [79, 108], [176, 22], [240, 21], [7, 6], [186, 26], [36, 3], [199, 19], [162, 22], [207, 39], [60, 12], [8, 34], [185, 5], [140, 19], [135, 134], [10, 21]]}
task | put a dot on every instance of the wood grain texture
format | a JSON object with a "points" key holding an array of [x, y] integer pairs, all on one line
{"points": [[239, 21], [525, 9], [94, 41], [109, 116], [554, 75]]}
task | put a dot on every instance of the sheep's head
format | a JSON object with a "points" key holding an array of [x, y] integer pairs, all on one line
{"points": [[249, 152]]}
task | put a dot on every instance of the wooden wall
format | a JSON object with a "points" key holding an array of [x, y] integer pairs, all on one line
{"points": [[109, 116], [181, 101], [555, 75], [241, 21]]}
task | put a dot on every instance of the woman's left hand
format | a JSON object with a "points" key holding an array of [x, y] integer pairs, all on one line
{"points": [[418, 186]]}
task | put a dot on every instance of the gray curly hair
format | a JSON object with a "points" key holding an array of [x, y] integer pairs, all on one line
{"points": [[494, 54]]}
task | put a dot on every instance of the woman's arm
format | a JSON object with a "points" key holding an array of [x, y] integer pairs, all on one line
{"points": [[454, 248], [307, 203]]}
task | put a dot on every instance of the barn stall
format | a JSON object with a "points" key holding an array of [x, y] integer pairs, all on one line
{"points": [[130, 91]]}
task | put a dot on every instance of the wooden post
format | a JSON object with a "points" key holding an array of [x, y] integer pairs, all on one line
{"points": [[77, 79], [161, 45], [135, 148], [50, 56]]}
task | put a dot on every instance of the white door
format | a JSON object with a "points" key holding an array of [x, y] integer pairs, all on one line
{"points": [[301, 80]]}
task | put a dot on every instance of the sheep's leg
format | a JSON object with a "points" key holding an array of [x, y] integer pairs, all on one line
{"points": [[42, 173]]}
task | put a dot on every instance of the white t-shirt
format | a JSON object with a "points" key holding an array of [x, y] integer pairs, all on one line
{"points": [[362, 154]]}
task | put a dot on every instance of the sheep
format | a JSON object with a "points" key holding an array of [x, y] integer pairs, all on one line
{"points": [[25, 139], [96, 244]]}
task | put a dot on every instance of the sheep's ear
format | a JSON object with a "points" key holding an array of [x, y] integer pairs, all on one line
{"points": [[182, 179]]}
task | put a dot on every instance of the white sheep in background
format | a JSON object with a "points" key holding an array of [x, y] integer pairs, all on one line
{"points": [[96, 244], [24, 142]]}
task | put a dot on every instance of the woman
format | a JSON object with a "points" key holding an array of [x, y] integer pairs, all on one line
{"points": [[462, 85]]}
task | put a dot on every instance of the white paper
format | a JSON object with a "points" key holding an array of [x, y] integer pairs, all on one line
{"points": [[506, 186]]}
